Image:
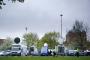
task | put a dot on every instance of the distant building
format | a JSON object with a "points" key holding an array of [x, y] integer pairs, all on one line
{"points": [[2, 41]]}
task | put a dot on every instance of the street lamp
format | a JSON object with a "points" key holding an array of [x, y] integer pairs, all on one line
{"points": [[26, 29], [61, 24]]}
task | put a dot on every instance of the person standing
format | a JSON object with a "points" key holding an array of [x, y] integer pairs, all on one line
{"points": [[77, 53]]}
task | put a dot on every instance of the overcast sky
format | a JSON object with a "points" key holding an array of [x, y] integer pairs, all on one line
{"points": [[41, 16]]}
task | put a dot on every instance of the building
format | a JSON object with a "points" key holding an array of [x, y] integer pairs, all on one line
{"points": [[2, 41]]}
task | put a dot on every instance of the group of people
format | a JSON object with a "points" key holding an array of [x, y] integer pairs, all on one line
{"points": [[51, 53]]}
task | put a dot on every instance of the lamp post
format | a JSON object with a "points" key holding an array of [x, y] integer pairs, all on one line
{"points": [[26, 29], [61, 24]]}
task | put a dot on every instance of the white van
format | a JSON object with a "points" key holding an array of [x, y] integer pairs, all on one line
{"points": [[19, 50], [16, 49]]}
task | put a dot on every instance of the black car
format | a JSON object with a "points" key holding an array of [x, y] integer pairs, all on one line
{"points": [[88, 53]]}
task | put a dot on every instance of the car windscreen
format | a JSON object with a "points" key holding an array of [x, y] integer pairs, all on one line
{"points": [[15, 49], [16, 45]]}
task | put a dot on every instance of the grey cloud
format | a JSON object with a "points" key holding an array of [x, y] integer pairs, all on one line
{"points": [[41, 16]]}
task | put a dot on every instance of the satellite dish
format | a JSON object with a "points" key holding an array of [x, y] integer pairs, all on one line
{"points": [[45, 44], [17, 40]]}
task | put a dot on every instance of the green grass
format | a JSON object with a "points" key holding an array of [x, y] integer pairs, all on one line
{"points": [[44, 58]]}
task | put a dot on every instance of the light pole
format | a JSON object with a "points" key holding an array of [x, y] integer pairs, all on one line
{"points": [[61, 24], [26, 29]]}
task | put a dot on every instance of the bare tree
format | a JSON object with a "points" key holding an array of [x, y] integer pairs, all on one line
{"points": [[77, 36], [2, 2]]}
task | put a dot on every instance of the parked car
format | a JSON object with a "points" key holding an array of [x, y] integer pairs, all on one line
{"points": [[87, 53], [71, 52], [7, 53], [81, 53], [1, 53], [16, 50]]}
